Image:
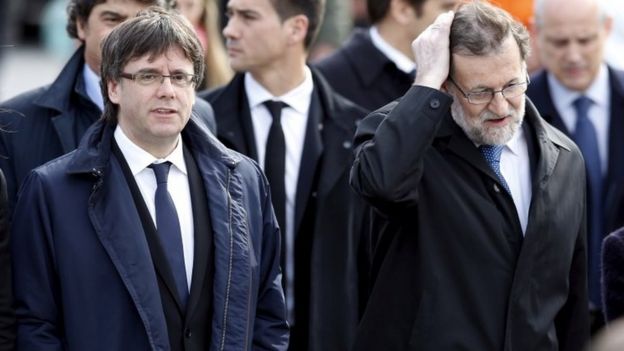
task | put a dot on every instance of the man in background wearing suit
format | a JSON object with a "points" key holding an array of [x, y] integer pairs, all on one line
{"points": [[151, 235], [582, 96], [376, 65], [484, 202], [285, 116]]}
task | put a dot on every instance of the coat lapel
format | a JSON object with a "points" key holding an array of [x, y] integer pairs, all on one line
{"points": [[127, 247], [235, 128]]}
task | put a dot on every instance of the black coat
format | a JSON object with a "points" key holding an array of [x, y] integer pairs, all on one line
{"points": [[324, 211], [7, 316], [49, 121], [613, 275], [363, 74], [452, 271]]}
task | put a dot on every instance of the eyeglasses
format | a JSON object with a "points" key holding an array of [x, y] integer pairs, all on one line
{"points": [[485, 96], [181, 80]]}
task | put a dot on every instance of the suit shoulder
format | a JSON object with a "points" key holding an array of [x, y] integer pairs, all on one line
{"points": [[23, 102]]}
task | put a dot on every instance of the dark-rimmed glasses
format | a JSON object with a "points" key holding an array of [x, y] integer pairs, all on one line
{"points": [[485, 96], [182, 80]]}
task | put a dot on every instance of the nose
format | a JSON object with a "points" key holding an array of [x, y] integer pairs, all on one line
{"points": [[573, 53], [229, 29], [166, 89], [499, 104]]}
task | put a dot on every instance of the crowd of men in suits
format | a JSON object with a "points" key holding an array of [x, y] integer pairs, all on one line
{"points": [[417, 189]]}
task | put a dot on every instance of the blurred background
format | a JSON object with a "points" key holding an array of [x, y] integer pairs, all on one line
{"points": [[35, 46]]}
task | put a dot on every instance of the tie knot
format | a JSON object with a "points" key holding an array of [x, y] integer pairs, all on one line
{"points": [[161, 171], [275, 108], [492, 153], [582, 104]]}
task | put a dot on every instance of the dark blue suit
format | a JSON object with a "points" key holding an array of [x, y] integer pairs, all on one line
{"points": [[613, 195], [363, 74], [49, 121]]}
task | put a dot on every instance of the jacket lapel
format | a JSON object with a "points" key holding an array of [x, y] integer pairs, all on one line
{"points": [[235, 128], [127, 247], [614, 191]]}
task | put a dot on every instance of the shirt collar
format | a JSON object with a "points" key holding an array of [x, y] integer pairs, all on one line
{"points": [[139, 159], [297, 99], [598, 91], [514, 144], [92, 86], [402, 62]]}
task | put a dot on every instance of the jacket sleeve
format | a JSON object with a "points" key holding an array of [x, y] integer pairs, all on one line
{"points": [[35, 282], [270, 327], [390, 146], [572, 321], [613, 275], [7, 317]]}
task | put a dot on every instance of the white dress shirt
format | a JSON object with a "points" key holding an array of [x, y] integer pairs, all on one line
{"points": [[177, 183], [92, 86], [515, 166], [599, 111], [404, 63], [294, 120]]}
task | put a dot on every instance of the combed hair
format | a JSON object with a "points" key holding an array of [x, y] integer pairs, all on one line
{"points": [[479, 29], [79, 11], [153, 32], [312, 9], [378, 9]]}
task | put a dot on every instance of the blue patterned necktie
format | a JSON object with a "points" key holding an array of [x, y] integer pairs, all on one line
{"points": [[587, 140], [492, 154], [168, 228]]}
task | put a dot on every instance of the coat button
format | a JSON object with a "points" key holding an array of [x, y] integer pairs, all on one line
{"points": [[496, 188], [188, 333], [434, 103], [346, 144]]}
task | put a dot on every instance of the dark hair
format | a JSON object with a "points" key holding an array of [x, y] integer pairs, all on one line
{"points": [[312, 9], [479, 28], [378, 9], [152, 32], [79, 11]]}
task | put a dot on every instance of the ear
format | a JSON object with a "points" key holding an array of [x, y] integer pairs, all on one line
{"points": [[113, 91], [608, 24], [81, 28], [297, 28], [402, 11]]}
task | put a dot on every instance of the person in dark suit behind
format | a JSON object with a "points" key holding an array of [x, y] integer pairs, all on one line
{"points": [[376, 65], [7, 316], [613, 275], [583, 97], [484, 202], [151, 235], [285, 116], [49, 121]]}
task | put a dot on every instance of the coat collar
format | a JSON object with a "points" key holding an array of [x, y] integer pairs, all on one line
{"points": [[93, 153], [368, 61]]}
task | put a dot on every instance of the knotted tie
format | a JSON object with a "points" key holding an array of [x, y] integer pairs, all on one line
{"points": [[168, 228], [587, 140], [275, 162], [492, 154]]}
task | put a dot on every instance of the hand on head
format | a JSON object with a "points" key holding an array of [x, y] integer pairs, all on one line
{"points": [[431, 52]]}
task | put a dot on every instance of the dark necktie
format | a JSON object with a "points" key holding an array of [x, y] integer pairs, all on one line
{"points": [[587, 140], [275, 162], [492, 154], [168, 228]]}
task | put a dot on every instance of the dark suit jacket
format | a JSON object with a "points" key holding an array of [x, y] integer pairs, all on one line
{"points": [[7, 317], [613, 275], [613, 197], [452, 271], [363, 74], [48, 122], [325, 238]]}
